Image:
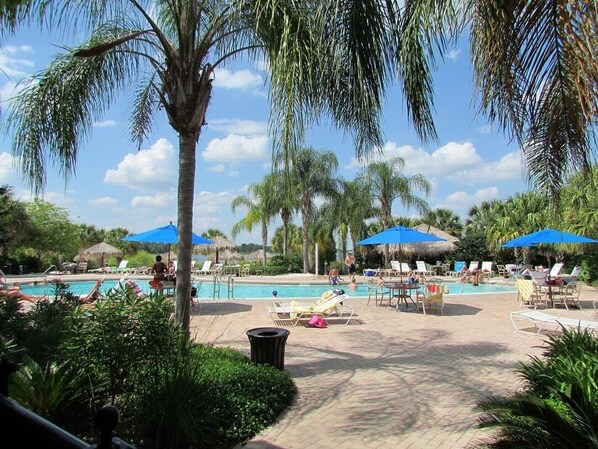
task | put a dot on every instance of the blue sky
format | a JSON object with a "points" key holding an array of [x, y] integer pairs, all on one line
{"points": [[117, 186]]}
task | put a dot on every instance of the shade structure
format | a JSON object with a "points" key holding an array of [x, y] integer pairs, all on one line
{"points": [[427, 249], [399, 234], [166, 234], [219, 243], [101, 250], [547, 235]]}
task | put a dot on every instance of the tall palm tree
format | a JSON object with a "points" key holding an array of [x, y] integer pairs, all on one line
{"points": [[168, 51], [258, 213], [314, 174], [281, 195], [386, 184], [444, 219]]}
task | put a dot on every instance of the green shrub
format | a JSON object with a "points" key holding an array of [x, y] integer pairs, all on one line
{"points": [[558, 407], [13, 326], [140, 259]]}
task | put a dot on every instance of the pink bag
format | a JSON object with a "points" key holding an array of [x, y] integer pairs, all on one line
{"points": [[317, 321]]}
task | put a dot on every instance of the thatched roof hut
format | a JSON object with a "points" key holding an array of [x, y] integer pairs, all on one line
{"points": [[426, 249]]}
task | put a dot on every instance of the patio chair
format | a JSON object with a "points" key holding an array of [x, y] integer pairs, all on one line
{"points": [[540, 321], [474, 265], [82, 267], [567, 295], [294, 312], [431, 299], [395, 269], [378, 293], [530, 293], [122, 267], [502, 271], [217, 268]]}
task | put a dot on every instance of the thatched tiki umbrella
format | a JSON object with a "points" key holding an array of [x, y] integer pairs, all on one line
{"points": [[431, 248], [220, 243], [102, 250], [259, 255]]}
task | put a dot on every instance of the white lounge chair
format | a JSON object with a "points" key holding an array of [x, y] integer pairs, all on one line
{"points": [[422, 268], [206, 267], [395, 267], [405, 269], [556, 269], [541, 321], [487, 269], [122, 267], [474, 265], [294, 312]]}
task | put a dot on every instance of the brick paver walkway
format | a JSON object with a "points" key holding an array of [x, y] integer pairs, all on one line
{"points": [[389, 379]]}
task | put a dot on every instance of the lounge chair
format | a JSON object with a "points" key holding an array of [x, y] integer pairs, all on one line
{"points": [[217, 268], [329, 308], [395, 267], [94, 293], [487, 269], [556, 269], [422, 268], [571, 277], [431, 299], [474, 265], [206, 267], [540, 321], [528, 292], [459, 268], [122, 267]]}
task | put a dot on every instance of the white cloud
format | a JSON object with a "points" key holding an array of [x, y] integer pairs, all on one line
{"points": [[152, 169], [103, 201], [11, 62], [209, 203], [458, 162], [506, 168], [159, 201], [217, 168], [453, 55], [245, 127], [7, 168], [461, 201], [233, 173], [241, 79], [105, 124], [236, 149]]}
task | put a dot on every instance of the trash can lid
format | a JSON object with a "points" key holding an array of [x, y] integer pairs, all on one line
{"points": [[264, 332]]}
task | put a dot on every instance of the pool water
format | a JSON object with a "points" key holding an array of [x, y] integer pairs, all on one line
{"points": [[248, 291]]}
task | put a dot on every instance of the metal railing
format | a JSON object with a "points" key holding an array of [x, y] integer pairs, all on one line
{"points": [[23, 429]]}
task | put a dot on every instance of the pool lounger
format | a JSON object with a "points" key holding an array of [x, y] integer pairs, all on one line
{"points": [[541, 320]]}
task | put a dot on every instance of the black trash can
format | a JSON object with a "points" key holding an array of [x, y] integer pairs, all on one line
{"points": [[267, 345]]}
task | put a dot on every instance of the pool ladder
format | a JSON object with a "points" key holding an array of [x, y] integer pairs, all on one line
{"points": [[230, 287]]}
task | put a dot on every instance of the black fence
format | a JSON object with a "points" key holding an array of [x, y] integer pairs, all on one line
{"points": [[23, 429]]}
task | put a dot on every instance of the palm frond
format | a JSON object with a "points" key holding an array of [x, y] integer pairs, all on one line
{"points": [[535, 66], [52, 116]]}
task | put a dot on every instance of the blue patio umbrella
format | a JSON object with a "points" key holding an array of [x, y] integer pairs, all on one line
{"points": [[547, 235], [166, 234], [399, 234]]}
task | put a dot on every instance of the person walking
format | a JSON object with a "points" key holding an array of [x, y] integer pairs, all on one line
{"points": [[350, 263]]}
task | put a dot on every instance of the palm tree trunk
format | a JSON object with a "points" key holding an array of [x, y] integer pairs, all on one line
{"points": [[187, 146], [286, 218], [265, 240], [305, 223]]}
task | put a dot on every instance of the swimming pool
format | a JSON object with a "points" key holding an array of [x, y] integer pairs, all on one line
{"points": [[254, 291]]}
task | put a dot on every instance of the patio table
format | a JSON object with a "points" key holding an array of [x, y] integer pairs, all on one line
{"points": [[403, 292]]}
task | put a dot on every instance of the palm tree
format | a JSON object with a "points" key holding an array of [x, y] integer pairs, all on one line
{"points": [[444, 219], [580, 205], [281, 195], [257, 213], [169, 50], [386, 184], [313, 174]]}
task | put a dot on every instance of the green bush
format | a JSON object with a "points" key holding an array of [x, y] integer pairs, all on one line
{"points": [[140, 259], [558, 407], [125, 350], [281, 264]]}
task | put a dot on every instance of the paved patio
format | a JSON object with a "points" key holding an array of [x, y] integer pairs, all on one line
{"points": [[389, 379]]}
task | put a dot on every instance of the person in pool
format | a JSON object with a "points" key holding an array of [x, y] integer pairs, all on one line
{"points": [[333, 277]]}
